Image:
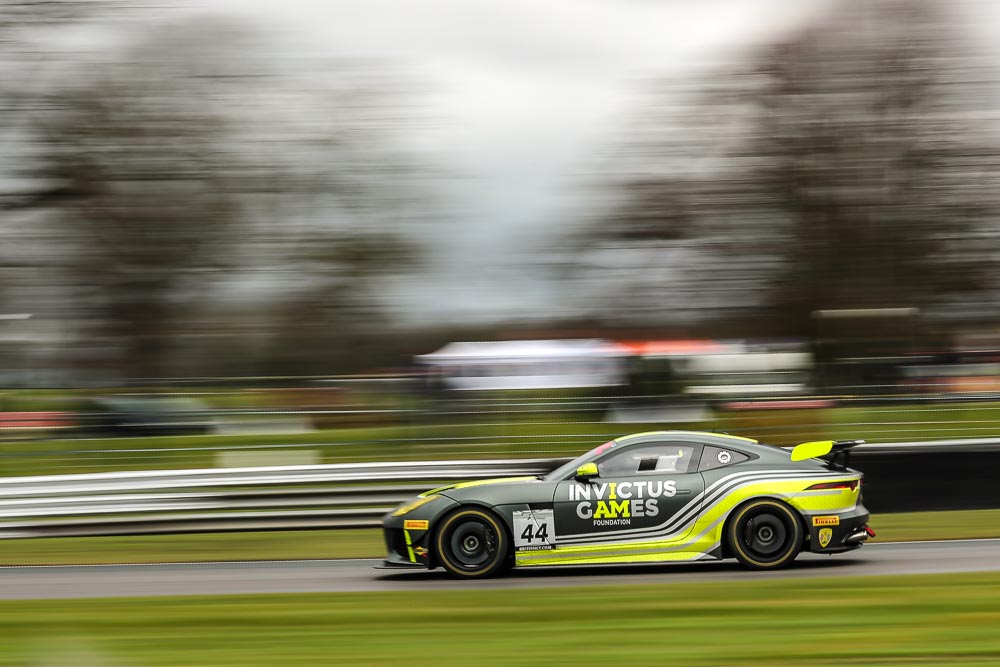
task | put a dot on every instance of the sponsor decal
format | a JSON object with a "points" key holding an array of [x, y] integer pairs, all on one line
{"points": [[825, 535], [534, 529], [829, 520], [603, 448], [420, 551], [724, 457], [415, 524], [616, 503], [409, 546]]}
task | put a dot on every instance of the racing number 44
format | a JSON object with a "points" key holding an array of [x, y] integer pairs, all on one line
{"points": [[541, 534], [533, 529]]}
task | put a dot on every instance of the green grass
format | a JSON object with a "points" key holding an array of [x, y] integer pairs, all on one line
{"points": [[499, 434], [495, 435], [441, 441], [921, 421], [291, 545], [872, 422], [936, 525], [368, 543], [902, 620]]}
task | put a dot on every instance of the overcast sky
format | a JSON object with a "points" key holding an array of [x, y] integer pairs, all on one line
{"points": [[524, 99], [524, 96]]}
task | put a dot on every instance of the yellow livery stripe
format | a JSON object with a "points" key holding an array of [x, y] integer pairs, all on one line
{"points": [[702, 534]]}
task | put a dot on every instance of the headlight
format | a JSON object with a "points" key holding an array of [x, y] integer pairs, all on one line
{"points": [[412, 505]]}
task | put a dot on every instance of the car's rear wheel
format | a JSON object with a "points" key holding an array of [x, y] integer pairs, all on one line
{"points": [[764, 534], [473, 542]]}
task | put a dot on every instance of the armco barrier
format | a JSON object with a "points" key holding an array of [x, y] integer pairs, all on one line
{"points": [[350, 495], [899, 477], [927, 476]]}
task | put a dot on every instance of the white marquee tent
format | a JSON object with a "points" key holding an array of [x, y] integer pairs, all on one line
{"points": [[529, 364]]}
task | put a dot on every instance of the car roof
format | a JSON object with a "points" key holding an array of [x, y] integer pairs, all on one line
{"points": [[702, 437]]}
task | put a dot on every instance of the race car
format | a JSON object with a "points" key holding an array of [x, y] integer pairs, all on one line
{"points": [[643, 498]]}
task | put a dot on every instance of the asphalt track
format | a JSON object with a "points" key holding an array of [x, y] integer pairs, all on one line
{"points": [[88, 581]]}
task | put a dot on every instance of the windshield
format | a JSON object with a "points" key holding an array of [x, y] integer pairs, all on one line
{"points": [[567, 468]]}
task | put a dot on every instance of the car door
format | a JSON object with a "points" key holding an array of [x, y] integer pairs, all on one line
{"points": [[643, 491]]}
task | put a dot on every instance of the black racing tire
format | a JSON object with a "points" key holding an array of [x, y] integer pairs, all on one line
{"points": [[764, 534], [472, 543]]}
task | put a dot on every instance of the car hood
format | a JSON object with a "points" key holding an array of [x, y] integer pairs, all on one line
{"points": [[480, 482], [503, 491]]}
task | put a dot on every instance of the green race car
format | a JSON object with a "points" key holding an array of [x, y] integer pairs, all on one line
{"points": [[644, 498]]}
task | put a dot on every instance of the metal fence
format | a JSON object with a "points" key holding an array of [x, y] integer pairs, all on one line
{"points": [[237, 499], [943, 474], [467, 427]]}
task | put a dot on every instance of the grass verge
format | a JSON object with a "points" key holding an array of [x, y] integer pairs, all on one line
{"points": [[346, 445], [902, 620], [368, 543], [493, 435], [290, 545]]}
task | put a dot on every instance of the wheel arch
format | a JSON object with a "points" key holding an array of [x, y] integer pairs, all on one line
{"points": [[727, 550], [504, 523]]}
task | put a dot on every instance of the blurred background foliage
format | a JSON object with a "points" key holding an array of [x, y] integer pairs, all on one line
{"points": [[850, 166], [191, 204], [242, 234], [185, 204]]}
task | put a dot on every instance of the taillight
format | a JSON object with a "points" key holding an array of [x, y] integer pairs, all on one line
{"points": [[850, 484]]}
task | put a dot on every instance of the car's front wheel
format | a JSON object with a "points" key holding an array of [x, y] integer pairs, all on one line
{"points": [[764, 534], [472, 542]]}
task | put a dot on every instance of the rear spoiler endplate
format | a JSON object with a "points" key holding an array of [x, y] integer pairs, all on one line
{"points": [[819, 448]]}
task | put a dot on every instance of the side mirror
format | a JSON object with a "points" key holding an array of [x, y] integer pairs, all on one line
{"points": [[586, 471]]}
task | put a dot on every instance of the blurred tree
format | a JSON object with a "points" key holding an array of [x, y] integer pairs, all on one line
{"points": [[18, 15], [142, 184], [335, 322], [30, 56], [847, 167], [362, 201], [182, 161]]}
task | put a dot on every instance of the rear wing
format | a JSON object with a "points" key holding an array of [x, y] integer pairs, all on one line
{"points": [[814, 450]]}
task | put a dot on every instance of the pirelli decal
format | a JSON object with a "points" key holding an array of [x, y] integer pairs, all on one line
{"points": [[415, 524], [827, 520]]}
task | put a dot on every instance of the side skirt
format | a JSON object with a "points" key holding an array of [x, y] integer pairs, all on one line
{"points": [[610, 558]]}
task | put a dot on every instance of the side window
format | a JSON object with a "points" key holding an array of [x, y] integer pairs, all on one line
{"points": [[717, 457], [653, 459]]}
